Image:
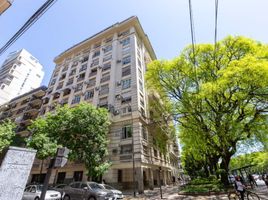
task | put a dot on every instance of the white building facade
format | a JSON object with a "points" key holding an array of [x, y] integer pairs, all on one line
{"points": [[20, 73]]}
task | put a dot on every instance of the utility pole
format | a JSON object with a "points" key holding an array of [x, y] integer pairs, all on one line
{"points": [[59, 161]]}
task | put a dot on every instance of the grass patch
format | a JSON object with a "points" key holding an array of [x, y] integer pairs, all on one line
{"points": [[202, 185]]}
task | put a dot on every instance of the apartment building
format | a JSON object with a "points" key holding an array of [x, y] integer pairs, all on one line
{"points": [[20, 73], [23, 109], [107, 70]]}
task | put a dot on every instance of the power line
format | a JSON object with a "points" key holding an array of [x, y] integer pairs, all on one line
{"points": [[42, 10], [192, 29], [216, 30]]}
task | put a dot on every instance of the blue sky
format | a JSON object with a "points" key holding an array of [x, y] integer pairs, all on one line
{"points": [[166, 22]]}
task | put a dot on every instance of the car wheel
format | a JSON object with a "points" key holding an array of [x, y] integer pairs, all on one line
{"points": [[91, 198], [37, 198], [66, 197]]}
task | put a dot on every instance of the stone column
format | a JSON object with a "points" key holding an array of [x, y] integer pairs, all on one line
{"points": [[139, 180], [151, 179]]}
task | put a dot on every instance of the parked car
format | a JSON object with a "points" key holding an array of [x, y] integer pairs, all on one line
{"points": [[86, 190], [33, 192], [60, 188], [117, 193]]}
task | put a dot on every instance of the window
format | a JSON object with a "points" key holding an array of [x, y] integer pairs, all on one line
{"points": [[126, 84], [125, 41], [106, 66], [78, 175], [81, 77], [2, 87], [155, 153], [70, 81], [73, 72], [126, 71], [124, 33], [107, 48], [126, 132], [141, 85], [83, 67], [126, 149], [104, 89], [85, 59], [53, 82], [140, 74], [95, 54], [59, 85], [144, 133], [95, 62], [76, 99], [89, 94], [93, 72], [107, 58], [126, 100], [103, 102], [65, 68], [139, 62], [126, 50], [105, 77], [126, 60], [62, 76], [91, 82], [145, 150], [79, 87], [126, 110]]}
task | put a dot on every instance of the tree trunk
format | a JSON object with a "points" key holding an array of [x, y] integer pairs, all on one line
{"points": [[224, 166], [40, 174]]}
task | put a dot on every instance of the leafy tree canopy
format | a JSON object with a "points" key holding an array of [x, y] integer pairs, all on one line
{"points": [[218, 95], [83, 129], [7, 133]]}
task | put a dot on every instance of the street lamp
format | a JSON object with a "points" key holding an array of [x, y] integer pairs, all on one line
{"points": [[132, 143]]}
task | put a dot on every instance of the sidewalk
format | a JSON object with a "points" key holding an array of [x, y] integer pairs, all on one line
{"points": [[171, 192]]}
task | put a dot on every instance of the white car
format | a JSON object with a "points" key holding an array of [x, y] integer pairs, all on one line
{"points": [[33, 192], [118, 195]]}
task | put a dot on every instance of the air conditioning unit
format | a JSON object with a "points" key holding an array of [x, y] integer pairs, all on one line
{"points": [[118, 83], [118, 61], [100, 67], [97, 88], [118, 97], [116, 112], [75, 63]]}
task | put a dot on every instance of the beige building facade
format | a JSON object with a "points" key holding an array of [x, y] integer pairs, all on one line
{"points": [[107, 70]]}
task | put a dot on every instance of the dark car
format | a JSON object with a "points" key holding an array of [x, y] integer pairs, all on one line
{"points": [[86, 190]]}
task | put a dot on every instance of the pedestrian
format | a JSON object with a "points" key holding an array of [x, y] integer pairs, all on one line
{"points": [[103, 181], [266, 180], [252, 181], [240, 187]]}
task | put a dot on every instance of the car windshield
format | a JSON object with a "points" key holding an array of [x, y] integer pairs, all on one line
{"points": [[108, 187], [39, 187], [95, 186]]}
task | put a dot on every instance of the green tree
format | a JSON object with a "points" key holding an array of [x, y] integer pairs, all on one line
{"points": [[83, 129], [218, 95], [7, 133]]}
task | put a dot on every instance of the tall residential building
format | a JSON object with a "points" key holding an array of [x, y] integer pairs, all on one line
{"points": [[20, 73], [107, 70]]}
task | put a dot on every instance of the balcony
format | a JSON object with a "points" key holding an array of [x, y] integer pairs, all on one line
{"points": [[35, 101], [56, 95], [92, 74], [66, 91]]}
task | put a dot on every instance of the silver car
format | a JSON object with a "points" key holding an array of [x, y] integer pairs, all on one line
{"points": [[33, 192], [118, 195], [86, 190]]}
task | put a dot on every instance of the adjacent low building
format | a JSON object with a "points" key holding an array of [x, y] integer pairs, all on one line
{"points": [[107, 70], [23, 109]]}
